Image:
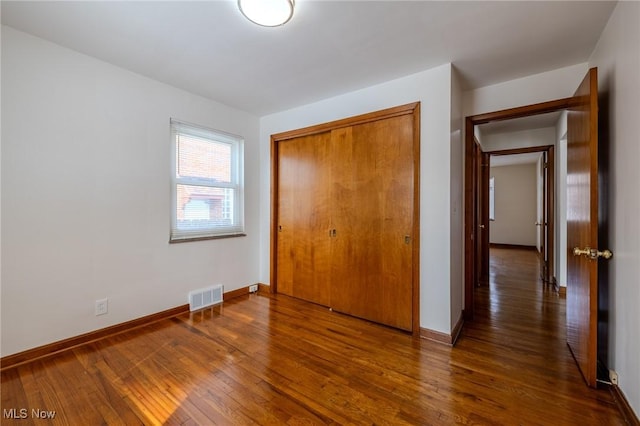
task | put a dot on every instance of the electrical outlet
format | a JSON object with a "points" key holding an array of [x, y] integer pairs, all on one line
{"points": [[102, 306], [613, 376], [253, 288]]}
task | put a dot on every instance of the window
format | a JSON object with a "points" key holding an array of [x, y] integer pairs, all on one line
{"points": [[206, 184]]}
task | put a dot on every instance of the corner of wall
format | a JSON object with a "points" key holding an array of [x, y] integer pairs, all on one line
{"points": [[456, 202]]}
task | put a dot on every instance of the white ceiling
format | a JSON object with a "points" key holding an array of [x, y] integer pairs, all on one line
{"points": [[328, 48]]}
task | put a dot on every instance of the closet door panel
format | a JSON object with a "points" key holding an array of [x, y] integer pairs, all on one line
{"points": [[345, 215], [373, 196], [286, 194], [356, 259], [304, 218], [396, 139]]}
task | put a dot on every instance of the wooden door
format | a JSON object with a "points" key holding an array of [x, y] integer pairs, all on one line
{"points": [[550, 214], [304, 212], [345, 215], [373, 190], [582, 227], [542, 220]]}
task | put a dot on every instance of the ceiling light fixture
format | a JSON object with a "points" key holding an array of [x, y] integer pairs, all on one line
{"points": [[268, 13]]}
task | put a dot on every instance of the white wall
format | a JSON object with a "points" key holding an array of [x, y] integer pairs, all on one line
{"points": [[477, 132], [456, 209], [617, 57], [86, 195], [433, 89], [515, 205]]}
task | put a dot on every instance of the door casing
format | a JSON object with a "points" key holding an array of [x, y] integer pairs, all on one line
{"points": [[472, 186], [547, 229], [414, 110]]}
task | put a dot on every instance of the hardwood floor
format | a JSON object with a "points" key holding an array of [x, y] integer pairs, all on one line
{"points": [[277, 360]]}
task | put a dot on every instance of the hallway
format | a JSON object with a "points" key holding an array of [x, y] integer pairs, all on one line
{"points": [[521, 322], [517, 306]]}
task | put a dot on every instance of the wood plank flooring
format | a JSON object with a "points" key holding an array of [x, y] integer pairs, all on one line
{"points": [[280, 361]]}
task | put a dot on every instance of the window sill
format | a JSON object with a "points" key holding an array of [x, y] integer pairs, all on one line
{"points": [[212, 237]]}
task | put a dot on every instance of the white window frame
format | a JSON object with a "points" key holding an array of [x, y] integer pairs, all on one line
{"points": [[236, 228]]}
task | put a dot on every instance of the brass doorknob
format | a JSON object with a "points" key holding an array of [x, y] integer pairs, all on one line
{"points": [[591, 253]]}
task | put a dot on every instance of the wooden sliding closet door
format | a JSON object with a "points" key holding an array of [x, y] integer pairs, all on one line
{"points": [[345, 202], [304, 216], [373, 218]]}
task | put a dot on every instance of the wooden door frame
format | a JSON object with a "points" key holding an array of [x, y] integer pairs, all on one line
{"points": [[481, 212], [550, 214], [541, 232], [414, 110], [471, 183], [548, 231]]}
